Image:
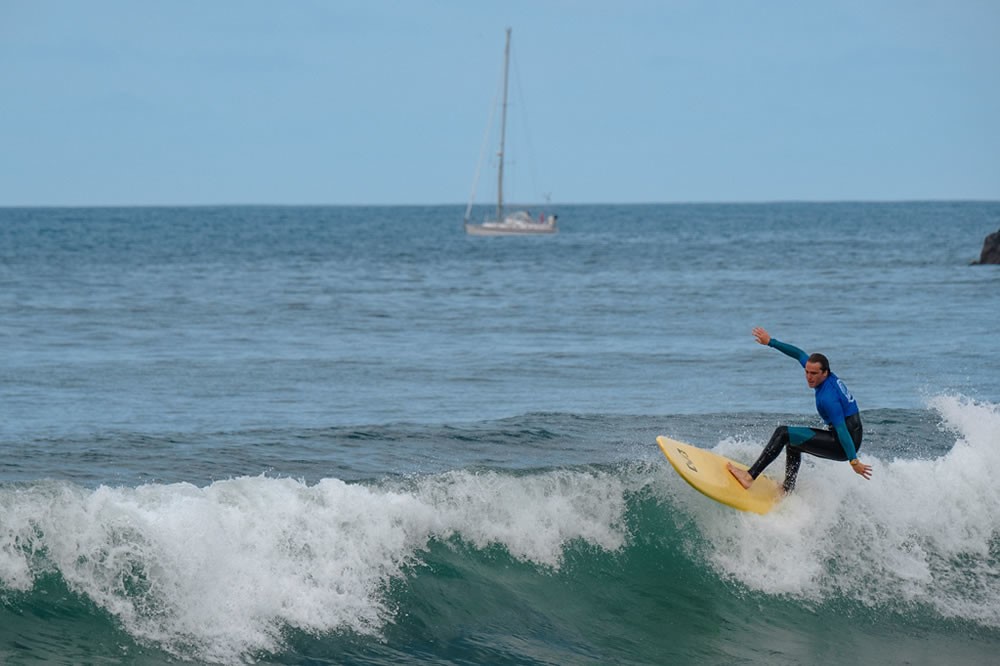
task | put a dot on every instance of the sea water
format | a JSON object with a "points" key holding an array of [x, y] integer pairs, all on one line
{"points": [[308, 435]]}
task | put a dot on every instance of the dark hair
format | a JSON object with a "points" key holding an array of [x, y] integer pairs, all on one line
{"points": [[824, 362]]}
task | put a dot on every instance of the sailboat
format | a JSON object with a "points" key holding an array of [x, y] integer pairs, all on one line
{"points": [[507, 223]]}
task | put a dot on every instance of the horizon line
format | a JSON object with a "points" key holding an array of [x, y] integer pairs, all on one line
{"points": [[733, 202]]}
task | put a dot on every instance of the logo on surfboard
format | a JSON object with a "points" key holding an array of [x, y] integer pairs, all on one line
{"points": [[687, 460]]}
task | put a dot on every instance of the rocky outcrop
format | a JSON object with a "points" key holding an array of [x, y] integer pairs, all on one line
{"points": [[991, 250]]}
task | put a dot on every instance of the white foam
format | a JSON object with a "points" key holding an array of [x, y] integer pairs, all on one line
{"points": [[220, 572], [533, 517], [919, 532]]}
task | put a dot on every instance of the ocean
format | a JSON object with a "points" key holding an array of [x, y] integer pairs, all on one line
{"points": [[354, 435]]}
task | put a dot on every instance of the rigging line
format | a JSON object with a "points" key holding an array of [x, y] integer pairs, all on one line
{"points": [[523, 112], [482, 152]]}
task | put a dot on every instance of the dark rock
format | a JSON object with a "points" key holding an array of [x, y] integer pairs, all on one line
{"points": [[991, 250]]}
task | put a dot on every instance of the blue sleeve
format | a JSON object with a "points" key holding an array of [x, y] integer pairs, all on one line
{"points": [[789, 350], [846, 441], [833, 413]]}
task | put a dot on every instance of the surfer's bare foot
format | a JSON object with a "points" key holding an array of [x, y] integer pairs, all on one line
{"points": [[740, 475]]}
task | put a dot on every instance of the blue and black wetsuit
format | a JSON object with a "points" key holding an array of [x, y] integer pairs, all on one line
{"points": [[840, 441]]}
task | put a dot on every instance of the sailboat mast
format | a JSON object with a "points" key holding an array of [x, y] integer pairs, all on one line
{"points": [[503, 128]]}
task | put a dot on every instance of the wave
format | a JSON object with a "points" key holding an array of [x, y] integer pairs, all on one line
{"points": [[923, 531], [536, 559]]}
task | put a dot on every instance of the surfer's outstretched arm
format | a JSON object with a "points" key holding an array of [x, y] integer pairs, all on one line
{"points": [[764, 338]]}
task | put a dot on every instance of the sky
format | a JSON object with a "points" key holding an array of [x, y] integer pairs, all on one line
{"points": [[386, 102]]}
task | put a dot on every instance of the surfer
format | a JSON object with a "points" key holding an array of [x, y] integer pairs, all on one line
{"points": [[835, 404]]}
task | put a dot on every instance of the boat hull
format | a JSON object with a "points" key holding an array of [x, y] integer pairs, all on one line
{"points": [[519, 223], [488, 229]]}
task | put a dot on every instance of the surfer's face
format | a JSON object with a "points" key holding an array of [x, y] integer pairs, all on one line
{"points": [[814, 374]]}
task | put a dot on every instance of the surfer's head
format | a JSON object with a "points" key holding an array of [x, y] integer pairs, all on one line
{"points": [[817, 370]]}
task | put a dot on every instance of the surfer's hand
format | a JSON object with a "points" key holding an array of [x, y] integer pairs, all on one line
{"points": [[763, 337], [862, 469]]}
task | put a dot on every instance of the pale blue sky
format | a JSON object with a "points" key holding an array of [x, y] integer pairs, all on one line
{"points": [[386, 101]]}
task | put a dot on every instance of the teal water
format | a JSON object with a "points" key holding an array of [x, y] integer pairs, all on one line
{"points": [[355, 436]]}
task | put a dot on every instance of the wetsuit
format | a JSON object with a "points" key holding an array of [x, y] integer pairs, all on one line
{"points": [[838, 409]]}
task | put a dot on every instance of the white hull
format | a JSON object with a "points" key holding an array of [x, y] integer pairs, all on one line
{"points": [[483, 230], [516, 225]]}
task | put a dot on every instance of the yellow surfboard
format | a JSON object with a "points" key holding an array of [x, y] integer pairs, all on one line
{"points": [[707, 472]]}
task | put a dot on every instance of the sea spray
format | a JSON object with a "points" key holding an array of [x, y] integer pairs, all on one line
{"points": [[922, 533], [533, 517], [228, 569]]}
